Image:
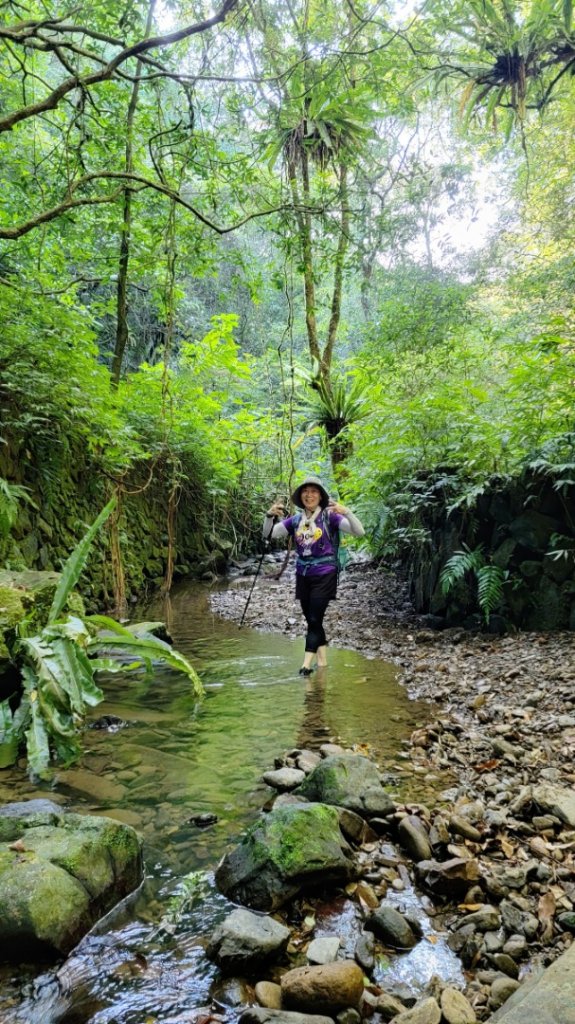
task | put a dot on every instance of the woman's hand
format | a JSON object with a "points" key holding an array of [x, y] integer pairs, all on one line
{"points": [[336, 506], [276, 511]]}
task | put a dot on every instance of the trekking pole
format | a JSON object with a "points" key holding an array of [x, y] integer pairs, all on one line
{"points": [[256, 574]]}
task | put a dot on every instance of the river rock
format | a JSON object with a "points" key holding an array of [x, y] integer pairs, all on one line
{"points": [[351, 781], [59, 873], [425, 1012], [555, 800], [486, 919], [448, 878], [456, 1009], [323, 950], [327, 988], [364, 951], [392, 927], [388, 1006], [289, 849], [501, 988], [262, 1015], [414, 837], [244, 939], [518, 921], [284, 778], [269, 994]]}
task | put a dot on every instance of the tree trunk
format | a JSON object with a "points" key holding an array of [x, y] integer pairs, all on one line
{"points": [[122, 332]]}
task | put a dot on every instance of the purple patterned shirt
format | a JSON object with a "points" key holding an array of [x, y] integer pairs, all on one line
{"points": [[313, 543]]}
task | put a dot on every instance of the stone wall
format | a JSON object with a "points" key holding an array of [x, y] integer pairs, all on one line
{"points": [[65, 502], [515, 521]]}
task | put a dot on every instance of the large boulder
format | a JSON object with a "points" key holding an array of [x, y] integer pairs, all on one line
{"points": [[350, 781], [290, 849], [59, 873]]}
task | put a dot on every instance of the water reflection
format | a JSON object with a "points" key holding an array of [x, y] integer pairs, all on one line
{"points": [[178, 757]]}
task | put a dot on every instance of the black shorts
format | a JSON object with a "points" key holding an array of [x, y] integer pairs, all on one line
{"points": [[324, 586]]}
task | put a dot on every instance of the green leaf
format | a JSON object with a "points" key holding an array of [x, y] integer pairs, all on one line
{"points": [[148, 649], [568, 14], [37, 741], [76, 562]]}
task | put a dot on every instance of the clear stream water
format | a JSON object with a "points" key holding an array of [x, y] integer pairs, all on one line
{"points": [[177, 757]]}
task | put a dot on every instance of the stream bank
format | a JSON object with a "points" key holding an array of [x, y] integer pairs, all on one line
{"points": [[503, 734]]}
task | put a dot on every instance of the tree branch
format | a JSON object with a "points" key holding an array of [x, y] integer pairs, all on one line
{"points": [[53, 99]]}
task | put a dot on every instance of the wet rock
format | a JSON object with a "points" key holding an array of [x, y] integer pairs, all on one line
{"points": [[262, 1015], [414, 837], [307, 760], [392, 927], [328, 988], [245, 939], [355, 828], [350, 781], [486, 919], [503, 962], [501, 989], [203, 820], [567, 920], [455, 1008], [291, 848], [518, 921], [425, 1012], [59, 873], [349, 1016], [516, 946], [232, 992], [494, 941], [284, 779], [459, 826], [450, 877], [388, 1006], [364, 951], [269, 994], [323, 950]]}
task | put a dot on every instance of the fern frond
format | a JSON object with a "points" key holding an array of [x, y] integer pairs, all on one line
{"points": [[490, 580], [460, 563]]}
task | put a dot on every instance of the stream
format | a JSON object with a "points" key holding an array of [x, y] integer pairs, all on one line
{"points": [[171, 758]]}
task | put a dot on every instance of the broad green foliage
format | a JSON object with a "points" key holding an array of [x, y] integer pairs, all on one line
{"points": [[59, 676]]}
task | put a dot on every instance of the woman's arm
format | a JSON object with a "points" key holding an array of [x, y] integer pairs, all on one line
{"points": [[350, 523], [272, 530]]}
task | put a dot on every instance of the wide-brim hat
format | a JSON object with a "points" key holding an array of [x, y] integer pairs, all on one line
{"points": [[313, 481]]}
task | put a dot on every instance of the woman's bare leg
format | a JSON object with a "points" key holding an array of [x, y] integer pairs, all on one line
{"points": [[322, 656]]}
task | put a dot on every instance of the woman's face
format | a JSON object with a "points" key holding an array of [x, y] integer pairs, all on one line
{"points": [[311, 497]]}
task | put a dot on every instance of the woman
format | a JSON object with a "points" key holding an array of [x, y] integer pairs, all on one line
{"points": [[315, 533]]}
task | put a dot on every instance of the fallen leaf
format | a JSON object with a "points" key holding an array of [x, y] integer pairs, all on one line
{"points": [[546, 914]]}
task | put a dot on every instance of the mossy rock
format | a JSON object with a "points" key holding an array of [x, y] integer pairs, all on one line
{"points": [[291, 849], [28, 594], [350, 781], [59, 873]]}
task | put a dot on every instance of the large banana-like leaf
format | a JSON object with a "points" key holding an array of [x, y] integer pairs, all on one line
{"points": [[9, 740], [146, 650], [38, 744], [76, 562]]}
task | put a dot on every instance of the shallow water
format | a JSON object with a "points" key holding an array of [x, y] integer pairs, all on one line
{"points": [[177, 757]]}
